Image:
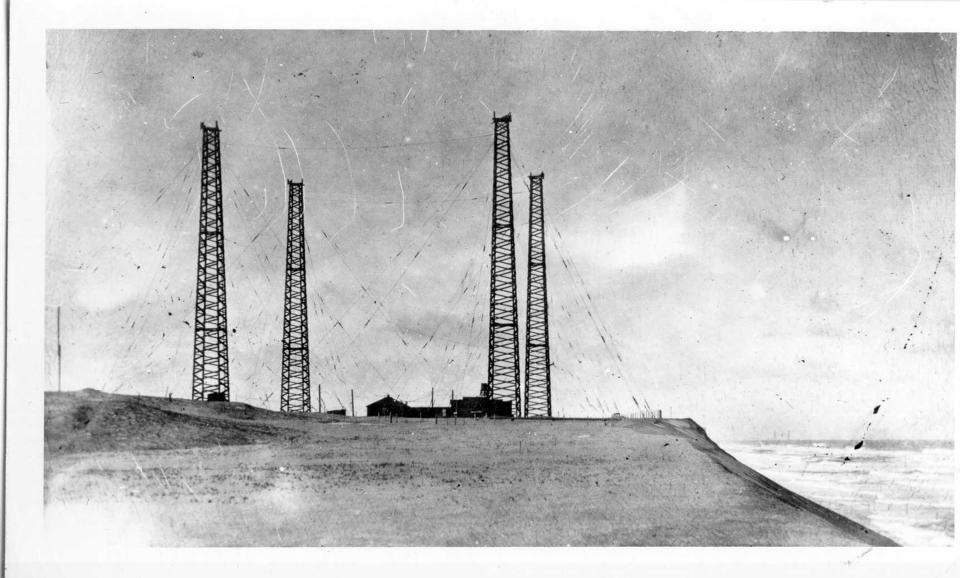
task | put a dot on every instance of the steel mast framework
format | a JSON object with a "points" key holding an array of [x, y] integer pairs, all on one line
{"points": [[536, 401], [295, 375], [211, 372], [503, 364]]}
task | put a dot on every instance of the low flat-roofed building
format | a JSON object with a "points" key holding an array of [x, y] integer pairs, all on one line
{"points": [[481, 407]]}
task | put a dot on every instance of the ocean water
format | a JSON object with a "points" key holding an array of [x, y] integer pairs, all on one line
{"points": [[902, 489]]}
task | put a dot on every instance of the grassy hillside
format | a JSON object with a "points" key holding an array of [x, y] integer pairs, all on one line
{"points": [[181, 473]]}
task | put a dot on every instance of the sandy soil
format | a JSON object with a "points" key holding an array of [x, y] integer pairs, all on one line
{"points": [[149, 471]]}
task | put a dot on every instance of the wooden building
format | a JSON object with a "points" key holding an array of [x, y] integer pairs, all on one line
{"points": [[387, 406]]}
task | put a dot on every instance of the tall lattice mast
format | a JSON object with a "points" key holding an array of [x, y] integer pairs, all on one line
{"points": [[295, 375], [211, 372], [503, 366], [536, 402]]}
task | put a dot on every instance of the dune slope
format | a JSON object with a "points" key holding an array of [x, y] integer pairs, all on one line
{"points": [[153, 471]]}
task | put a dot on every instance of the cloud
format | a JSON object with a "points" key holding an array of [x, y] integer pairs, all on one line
{"points": [[104, 293], [644, 233]]}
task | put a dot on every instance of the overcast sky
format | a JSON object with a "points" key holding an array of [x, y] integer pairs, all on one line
{"points": [[760, 225]]}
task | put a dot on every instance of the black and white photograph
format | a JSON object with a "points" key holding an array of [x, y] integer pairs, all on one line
{"points": [[500, 286]]}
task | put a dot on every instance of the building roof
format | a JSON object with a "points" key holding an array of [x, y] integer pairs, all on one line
{"points": [[388, 400]]}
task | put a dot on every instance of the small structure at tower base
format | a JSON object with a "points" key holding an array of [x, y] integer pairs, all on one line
{"points": [[483, 406]]}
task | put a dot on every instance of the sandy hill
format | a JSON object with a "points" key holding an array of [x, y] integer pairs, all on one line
{"points": [[154, 471], [90, 420]]}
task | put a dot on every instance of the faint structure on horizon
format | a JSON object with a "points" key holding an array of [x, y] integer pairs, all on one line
{"points": [[536, 402], [211, 374], [295, 373], [503, 365]]}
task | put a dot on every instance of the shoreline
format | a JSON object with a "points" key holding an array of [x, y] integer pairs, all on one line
{"points": [[702, 441], [902, 490]]}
